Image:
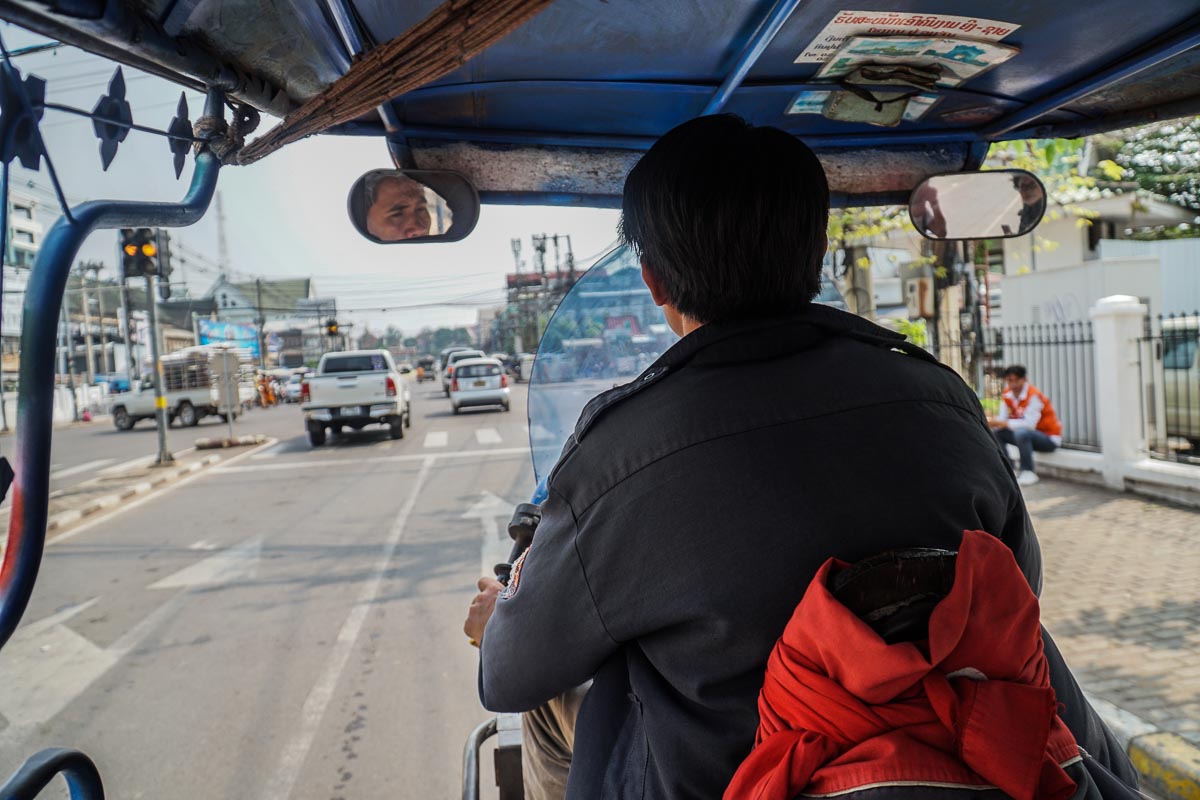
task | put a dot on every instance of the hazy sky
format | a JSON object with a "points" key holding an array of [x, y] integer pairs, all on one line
{"points": [[286, 215]]}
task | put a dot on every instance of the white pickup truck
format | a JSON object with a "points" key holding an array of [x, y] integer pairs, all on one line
{"points": [[354, 389], [185, 406]]}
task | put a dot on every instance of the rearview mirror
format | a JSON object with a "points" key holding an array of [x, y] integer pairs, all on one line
{"points": [[978, 205], [394, 206]]}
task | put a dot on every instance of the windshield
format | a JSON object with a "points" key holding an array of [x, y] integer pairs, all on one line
{"points": [[370, 362], [604, 333]]}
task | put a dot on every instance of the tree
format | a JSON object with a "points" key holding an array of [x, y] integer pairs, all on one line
{"points": [[1163, 159]]}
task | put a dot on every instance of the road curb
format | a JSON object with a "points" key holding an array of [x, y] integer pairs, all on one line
{"points": [[66, 519], [1167, 764]]}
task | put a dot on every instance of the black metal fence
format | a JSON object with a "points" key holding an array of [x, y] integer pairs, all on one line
{"points": [[1060, 360], [1169, 375]]}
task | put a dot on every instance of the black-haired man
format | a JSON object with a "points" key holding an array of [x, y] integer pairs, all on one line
{"points": [[692, 506]]}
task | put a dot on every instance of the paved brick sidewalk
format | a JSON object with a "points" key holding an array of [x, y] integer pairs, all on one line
{"points": [[1122, 597]]}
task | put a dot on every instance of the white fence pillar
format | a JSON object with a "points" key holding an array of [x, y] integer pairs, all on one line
{"points": [[1116, 326]]}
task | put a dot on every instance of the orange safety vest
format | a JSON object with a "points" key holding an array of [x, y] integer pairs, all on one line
{"points": [[1048, 424]]}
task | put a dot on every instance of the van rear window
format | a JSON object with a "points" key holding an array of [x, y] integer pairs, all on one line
{"points": [[364, 363], [478, 371]]}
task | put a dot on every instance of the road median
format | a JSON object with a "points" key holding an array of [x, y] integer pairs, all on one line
{"points": [[76, 504]]}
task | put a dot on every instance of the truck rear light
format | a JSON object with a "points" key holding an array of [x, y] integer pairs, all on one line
{"points": [[454, 385], [391, 387], [305, 394], [503, 381]]}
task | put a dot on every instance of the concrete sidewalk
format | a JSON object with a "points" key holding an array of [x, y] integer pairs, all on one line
{"points": [[1121, 597]]}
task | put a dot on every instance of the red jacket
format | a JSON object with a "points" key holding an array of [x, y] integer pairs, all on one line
{"points": [[847, 711]]}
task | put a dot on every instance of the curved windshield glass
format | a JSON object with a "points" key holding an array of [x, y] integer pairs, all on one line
{"points": [[604, 333]]}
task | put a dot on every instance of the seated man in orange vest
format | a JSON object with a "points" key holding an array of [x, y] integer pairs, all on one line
{"points": [[1026, 420]]}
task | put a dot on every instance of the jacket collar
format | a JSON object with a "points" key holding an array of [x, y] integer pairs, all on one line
{"points": [[762, 339]]}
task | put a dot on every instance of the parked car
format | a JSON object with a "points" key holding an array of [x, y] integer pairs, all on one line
{"points": [[479, 382], [451, 360], [354, 389], [292, 388], [1181, 377]]}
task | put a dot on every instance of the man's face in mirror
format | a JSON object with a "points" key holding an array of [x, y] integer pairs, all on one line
{"points": [[1031, 190], [398, 210]]}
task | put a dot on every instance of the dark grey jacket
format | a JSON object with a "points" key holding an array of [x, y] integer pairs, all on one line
{"points": [[693, 506]]}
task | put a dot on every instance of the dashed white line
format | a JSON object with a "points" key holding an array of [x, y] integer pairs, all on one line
{"points": [[437, 439], [488, 436], [90, 465]]}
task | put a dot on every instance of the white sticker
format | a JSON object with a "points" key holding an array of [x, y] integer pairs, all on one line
{"points": [[891, 23], [809, 102], [917, 106]]}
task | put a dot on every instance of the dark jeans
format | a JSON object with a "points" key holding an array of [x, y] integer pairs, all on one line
{"points": [[1026, 440]]}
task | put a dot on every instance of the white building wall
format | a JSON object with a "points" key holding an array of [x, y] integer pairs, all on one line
{"points": [[1068, 247], [1180, 270], [1067, 294]]}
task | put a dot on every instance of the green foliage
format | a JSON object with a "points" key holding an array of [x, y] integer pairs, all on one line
{"points": [[1163, 159], [914, 330]]}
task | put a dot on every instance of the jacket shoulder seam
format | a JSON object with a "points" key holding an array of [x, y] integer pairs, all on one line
{"points": [[582, 566]]}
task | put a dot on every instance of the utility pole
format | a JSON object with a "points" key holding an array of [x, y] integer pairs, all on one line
{"points": [[128, 333], [260, 320], [90, 360], [94, 267], [160, 400], [222, 242], [70, 343]]}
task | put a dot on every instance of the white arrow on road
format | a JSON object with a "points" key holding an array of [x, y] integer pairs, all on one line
{"points": [[239, 561], [59, 664], [497, 546]]}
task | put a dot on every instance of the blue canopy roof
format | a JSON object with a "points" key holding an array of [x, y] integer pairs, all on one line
{"points": [[558, 110]]}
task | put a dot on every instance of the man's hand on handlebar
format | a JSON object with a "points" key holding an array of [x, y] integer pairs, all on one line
{"points": [[481, 609]]}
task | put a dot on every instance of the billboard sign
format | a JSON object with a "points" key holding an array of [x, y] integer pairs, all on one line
{"points": [[244, 336]]}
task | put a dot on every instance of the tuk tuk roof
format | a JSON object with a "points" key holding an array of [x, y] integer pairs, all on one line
{"points": [[560, 109]]}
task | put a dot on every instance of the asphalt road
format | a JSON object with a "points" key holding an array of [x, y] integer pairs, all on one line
{"points": [[286, 625]]}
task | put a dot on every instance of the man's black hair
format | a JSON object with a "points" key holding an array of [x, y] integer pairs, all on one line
{"points": [[730, 218], [1016, 370]]}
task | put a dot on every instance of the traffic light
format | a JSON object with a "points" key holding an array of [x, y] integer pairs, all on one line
{"points": [[331, 327], [139, 252]]}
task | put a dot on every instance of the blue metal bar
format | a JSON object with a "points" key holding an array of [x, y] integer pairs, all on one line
{"points": [[80, 773], [642, 143], [754, 49], [1126, 68], [355, 44], [39, 339]]}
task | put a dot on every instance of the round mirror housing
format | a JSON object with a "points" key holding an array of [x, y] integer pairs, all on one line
{"points": [[413, 206], [998, 204]]}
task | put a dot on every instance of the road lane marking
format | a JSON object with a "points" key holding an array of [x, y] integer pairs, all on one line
{"points": [[203, 544], [295, 751], [497, 545], [239, 561], [272, 452], [437, 439], [487, 436], [66, 473], [148, 496], [313, 464]]}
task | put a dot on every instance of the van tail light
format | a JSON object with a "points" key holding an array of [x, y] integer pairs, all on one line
{"points": [[454, 385], [503, 381], [305, 394], [449, 372], [391, 387]]}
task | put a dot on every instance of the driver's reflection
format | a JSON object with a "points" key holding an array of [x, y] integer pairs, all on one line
{"points": [[1033, 201], [398, 207]]}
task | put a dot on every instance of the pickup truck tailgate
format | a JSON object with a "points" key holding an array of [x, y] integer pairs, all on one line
{"points": [[349, 389]]}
